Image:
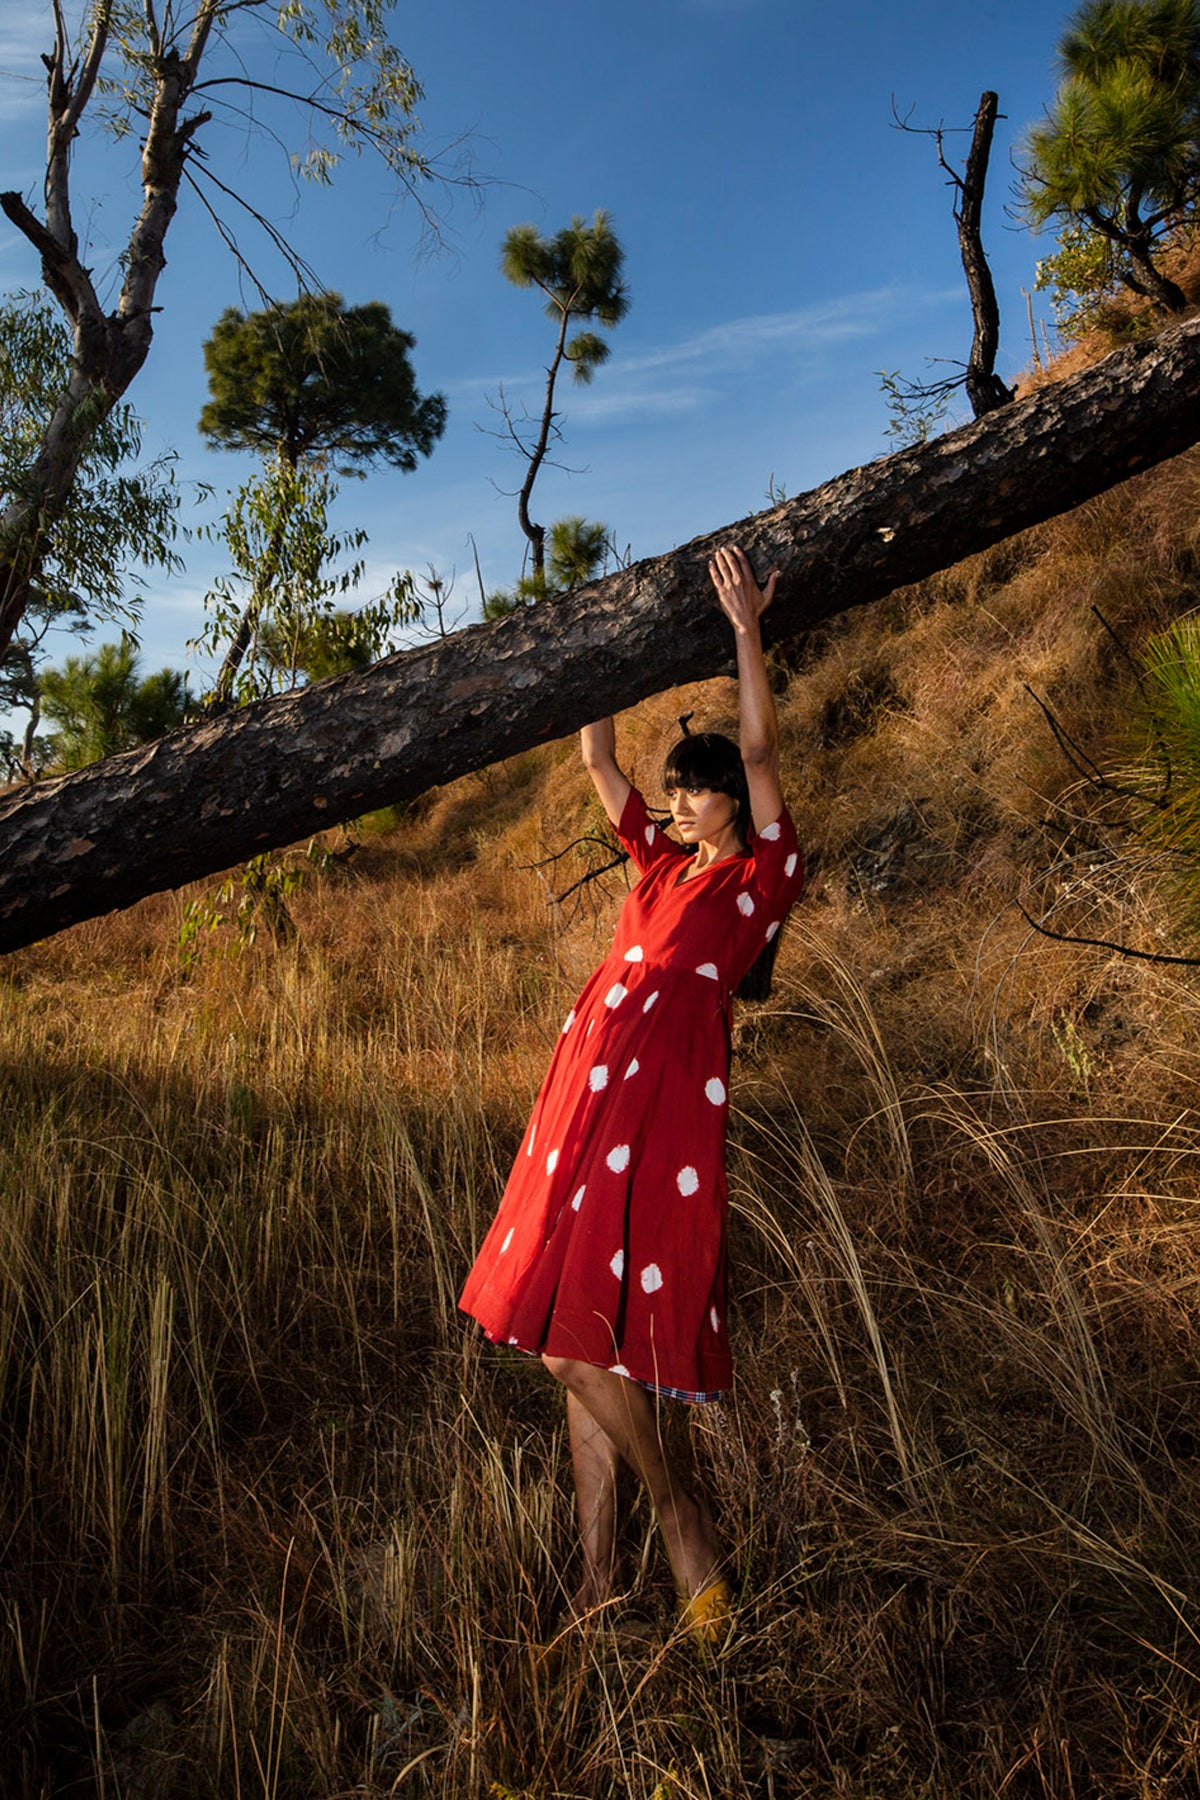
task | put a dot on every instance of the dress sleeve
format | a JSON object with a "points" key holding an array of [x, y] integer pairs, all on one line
{"points": [[778, 878], [646, 842]]}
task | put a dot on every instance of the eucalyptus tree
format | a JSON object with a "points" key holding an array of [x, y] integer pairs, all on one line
{"points": [[287, 578], [579, 272], [327, 80], [117, 525], [1119, 151], [313, 383]]}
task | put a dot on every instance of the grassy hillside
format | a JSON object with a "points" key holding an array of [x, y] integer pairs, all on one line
{"points": [[276, 1524]]}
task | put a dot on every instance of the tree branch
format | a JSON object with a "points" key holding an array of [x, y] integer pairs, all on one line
{"points": [[304, 272], [152, 31], [64, 274], [91, 68], [1091, 943], [202, 25]]}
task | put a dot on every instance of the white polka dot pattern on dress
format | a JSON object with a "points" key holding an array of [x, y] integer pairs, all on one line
{"points": [[713, 1319], [620, 1369], [618, 1158], [770, 833], [650, 833], [552, 1162], [633, 1068], [687, 1180], [651, 1278], [598, 1078], [617, 1265], [532, 1136], [714, 1090], [508, 1240], [772, 928], [647, 1004], [709, 969], [745, 904], [789, 867], [635, 955], [577, 1202], [615, 994], [569, 1023]]}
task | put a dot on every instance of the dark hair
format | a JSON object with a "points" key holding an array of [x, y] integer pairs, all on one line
{"points": [[708, 759]]}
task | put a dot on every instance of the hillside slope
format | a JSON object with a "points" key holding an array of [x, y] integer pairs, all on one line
{"points": [[277, 1523]]}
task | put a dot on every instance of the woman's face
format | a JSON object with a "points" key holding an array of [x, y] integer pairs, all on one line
{"points": [[701, 815]]}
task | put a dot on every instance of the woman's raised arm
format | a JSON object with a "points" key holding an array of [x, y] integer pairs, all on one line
{"points": [[599, 745], [743, 603]]}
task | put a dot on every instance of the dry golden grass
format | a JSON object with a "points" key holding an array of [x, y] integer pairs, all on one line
{"points": [[276, 1523]]}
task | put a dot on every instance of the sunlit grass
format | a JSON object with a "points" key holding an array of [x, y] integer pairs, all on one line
{"points": [[277, 1524]]}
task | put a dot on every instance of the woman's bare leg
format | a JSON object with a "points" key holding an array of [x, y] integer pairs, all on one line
{"points": [[594, 1457], [625, 1415]]}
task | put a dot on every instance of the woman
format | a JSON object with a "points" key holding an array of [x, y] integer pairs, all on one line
{"points": [[607, 1255]]}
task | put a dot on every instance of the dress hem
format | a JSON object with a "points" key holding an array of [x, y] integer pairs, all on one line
{"points": [[699, 1397]]}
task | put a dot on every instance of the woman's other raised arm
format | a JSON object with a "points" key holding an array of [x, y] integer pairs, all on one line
{"points": [[743, 603], [599, 745]]}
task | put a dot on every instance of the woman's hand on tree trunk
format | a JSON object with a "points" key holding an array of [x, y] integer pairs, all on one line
{"points": [[742, 600]]}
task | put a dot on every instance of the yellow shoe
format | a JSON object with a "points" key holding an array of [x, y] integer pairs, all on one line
{"points": [[709, 1614]]}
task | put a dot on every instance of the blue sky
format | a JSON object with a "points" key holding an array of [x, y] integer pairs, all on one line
{"points": [[783, 243]]}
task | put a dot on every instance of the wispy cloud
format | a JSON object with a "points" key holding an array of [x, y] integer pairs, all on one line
{"points": [[739, 343], [670, 380], [26, 30]]}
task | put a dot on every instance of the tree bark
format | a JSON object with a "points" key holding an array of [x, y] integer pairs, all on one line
{"points": [[216, 793]]}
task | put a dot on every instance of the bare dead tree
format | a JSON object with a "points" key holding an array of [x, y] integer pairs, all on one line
{"points": [[985, 390]]}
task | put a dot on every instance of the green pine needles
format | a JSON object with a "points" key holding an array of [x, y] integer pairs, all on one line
{"points": [[579, 270], [1172, 671], [1119, 150]]}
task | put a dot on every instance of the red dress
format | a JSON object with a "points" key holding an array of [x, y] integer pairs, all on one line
{"points": [[609, 1244]]}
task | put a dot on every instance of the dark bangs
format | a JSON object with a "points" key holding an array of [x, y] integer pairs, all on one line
{"points": [[706, 759]]}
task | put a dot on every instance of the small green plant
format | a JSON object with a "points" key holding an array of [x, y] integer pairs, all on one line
{"points": [[1081, 278], [253, 899], [1170, 827], [579, 552], [913, 410], [1075, 1052]]}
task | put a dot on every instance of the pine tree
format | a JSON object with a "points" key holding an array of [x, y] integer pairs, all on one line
{"points": [[579, 272], [1119, 151]]}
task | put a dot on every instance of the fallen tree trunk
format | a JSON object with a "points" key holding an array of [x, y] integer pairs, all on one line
{"points": [[215, 793]]}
